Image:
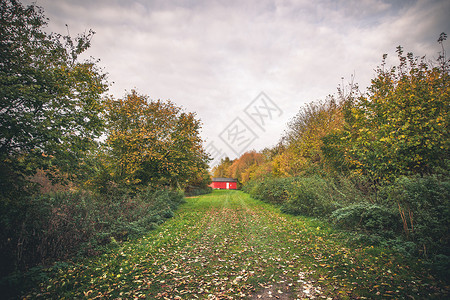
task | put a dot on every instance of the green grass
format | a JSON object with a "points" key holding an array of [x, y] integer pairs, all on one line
{"points": [[226, 245]]}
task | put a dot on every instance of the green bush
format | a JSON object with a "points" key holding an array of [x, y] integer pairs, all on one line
{"points": [[191, 191], [310, 196], [46, 228], [272, 190], [367, 217], [423, 205], [43, 228]]}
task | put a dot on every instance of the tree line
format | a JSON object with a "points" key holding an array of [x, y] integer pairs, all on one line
{"points": [[116, 167]]}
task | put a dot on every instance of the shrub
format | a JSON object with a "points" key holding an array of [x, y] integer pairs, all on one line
{"points": [[368, 217], [272, 190], [301, 201], [197, 190], [423, 205], [46, 228], [318, 196], [310, 196]]}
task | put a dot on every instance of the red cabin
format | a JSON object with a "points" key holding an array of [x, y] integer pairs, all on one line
{"points": [[224, 183]]}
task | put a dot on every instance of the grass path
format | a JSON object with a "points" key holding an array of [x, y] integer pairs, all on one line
{"points": [[226, 246]]}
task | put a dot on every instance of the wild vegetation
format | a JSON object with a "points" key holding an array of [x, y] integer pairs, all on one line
{"points": [[227, 245], [83, 174], [375, 162], [79, 170]]}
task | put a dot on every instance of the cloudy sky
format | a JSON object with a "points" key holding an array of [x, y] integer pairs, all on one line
{"points": [[216, 57]]}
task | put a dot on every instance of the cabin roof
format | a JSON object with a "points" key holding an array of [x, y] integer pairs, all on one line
{"points": [[221, 179]]}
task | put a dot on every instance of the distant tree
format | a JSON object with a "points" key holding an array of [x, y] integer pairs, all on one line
{"points": [[222, 169], [50, 102], [153, 142], [245, 164]]}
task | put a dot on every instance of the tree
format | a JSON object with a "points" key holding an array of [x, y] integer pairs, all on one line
{"points": [[51, 105], [400, 126], [244, 165], [153, 142], [304, 137], [222, 169]]}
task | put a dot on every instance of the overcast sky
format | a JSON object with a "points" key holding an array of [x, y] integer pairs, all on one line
{"points": [[216, 57]]}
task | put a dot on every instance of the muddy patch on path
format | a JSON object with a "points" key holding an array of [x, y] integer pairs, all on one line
{"points": [[281, 291], [286, 290]]}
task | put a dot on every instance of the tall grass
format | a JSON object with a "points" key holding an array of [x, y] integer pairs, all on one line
{"points": [[57, 226]]}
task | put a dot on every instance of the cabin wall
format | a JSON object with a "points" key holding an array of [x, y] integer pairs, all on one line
{"points": [[224, 185]]}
